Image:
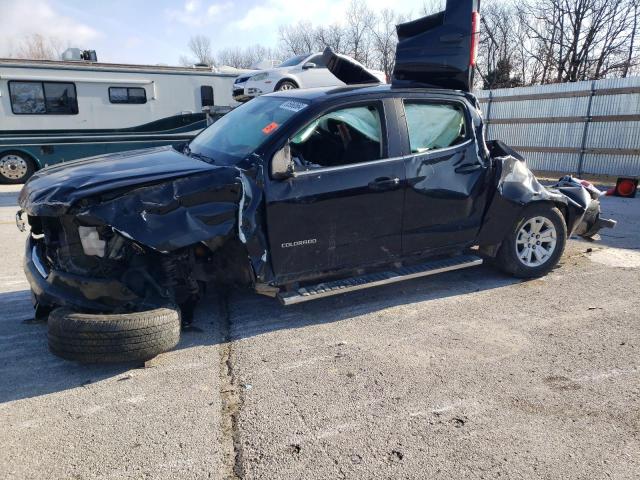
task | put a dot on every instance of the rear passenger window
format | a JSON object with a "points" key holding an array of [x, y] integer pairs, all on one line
{"points": [[32, 98], [341, 137], [127, 95], [432, 126]]}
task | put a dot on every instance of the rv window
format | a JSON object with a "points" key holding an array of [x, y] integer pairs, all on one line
{"points": [[127, 95], [206, 94], [33, 98]]}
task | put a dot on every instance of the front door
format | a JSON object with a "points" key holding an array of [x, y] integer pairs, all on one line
{"points": [[445, 190], [343, 207]]}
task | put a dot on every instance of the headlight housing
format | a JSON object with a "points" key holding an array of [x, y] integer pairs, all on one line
{"points": [[92, 244], [260, 76]]}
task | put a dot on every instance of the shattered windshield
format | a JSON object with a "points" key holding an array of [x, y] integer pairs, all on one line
{"points": [[241, 131]]}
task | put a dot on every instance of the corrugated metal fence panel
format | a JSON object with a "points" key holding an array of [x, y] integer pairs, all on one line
{"points": [[614, 135], [552, 162], [605, 136], [565, 135], [551, 107]]}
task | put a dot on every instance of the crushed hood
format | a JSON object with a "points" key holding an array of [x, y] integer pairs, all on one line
{"points": [[436, 51], [54, 190], [346, 69]]}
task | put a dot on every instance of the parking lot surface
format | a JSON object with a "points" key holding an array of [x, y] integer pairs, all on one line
{"points": [[469, 374]]}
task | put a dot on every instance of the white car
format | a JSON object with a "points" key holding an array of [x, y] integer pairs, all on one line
{"points": [[301, 71]]}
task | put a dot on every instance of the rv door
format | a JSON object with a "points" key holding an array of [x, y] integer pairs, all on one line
{"points": [[439, 50]]}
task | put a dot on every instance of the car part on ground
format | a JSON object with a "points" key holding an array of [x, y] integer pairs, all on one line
{"points": [[107, 338], [15, 167]]}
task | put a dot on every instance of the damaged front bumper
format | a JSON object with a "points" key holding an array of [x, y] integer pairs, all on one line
{"points": [[52, 288]]}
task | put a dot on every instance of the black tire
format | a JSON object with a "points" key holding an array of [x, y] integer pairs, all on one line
{"points": [[7, 169], [286, 85], [97, 338], [507, 258]]}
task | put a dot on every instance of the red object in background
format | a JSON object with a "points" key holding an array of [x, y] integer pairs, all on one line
{"points": [[625, 187], [475, 38]]}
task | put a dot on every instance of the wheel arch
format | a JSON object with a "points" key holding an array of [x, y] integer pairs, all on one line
{"points": [[287, 79], [22, 151]]}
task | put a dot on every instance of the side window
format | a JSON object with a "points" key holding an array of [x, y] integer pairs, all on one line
{"points": [[136, 95], [432, 126], [318, 60], [206, 95], [41, 98], [341, 137]]}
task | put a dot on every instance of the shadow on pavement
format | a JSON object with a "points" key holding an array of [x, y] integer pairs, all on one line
{"points": [[28, 369], [273, 316]]}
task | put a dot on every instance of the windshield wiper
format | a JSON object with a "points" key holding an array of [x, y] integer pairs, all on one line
{"points": [[199, 156]]}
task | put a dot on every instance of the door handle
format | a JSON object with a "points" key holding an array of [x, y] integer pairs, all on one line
{"points": [[469, 168], [384, 183]]}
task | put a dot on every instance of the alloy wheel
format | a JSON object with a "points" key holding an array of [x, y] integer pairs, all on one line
{"points": [[536, 241]]}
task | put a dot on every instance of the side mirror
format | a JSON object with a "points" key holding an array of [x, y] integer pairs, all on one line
{"points": [[281, 163], [309, 65]]}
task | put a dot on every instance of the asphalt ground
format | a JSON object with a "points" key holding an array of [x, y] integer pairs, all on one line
{"points": [[469, 374]]}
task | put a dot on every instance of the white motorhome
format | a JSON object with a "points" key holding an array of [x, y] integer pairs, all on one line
{"points": [[55, 111]]}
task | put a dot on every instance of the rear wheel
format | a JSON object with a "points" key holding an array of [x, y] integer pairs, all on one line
{"points": [[286, 85], [102, 338], [15, 167], [535, 243]]}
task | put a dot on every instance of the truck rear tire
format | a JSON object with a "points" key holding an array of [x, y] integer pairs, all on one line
{"points": [[15, 167], [98, 338], [535, 242]]}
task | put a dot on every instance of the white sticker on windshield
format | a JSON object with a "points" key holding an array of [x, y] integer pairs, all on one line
{"points": [[293, 106]]}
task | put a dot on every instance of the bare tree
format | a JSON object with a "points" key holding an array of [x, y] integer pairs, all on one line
{"points": [[38, 47], [385, 39], [573, 40], [200, 47], [246, 57], [298, 39], [360, 23]]}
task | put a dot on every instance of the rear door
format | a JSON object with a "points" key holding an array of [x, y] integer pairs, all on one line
{"points": [[343, 207], [445, 189]]}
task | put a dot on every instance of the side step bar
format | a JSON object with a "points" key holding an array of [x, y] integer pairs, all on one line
{"points": [[311, 292]]}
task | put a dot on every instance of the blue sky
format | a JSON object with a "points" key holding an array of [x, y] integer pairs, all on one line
{"points": [[145, 31]]}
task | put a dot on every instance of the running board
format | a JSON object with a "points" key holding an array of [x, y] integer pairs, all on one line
{"points": [[326, 289]]}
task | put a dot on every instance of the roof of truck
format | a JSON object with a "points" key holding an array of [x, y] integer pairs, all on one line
{"points": [[325, 93]]}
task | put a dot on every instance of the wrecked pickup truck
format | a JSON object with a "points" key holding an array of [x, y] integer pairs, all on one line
{"points": [[298, 195]]}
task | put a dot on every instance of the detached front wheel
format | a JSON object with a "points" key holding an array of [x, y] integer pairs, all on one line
{"points": [[535, 242], [103, 338]]}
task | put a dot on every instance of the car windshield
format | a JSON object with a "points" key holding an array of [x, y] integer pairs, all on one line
{"points": [[294, 60], [241, 131]]}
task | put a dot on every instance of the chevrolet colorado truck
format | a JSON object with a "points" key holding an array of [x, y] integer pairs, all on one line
{"points": [[298, 194]]}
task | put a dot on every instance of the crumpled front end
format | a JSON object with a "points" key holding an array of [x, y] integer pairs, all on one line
{"points": [[147, 245]]}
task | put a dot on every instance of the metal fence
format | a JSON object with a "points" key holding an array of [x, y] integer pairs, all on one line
{"points": [[582, 128]]}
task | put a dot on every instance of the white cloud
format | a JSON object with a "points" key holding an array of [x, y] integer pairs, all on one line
{"points": [[28, 17], [195, 14]]}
